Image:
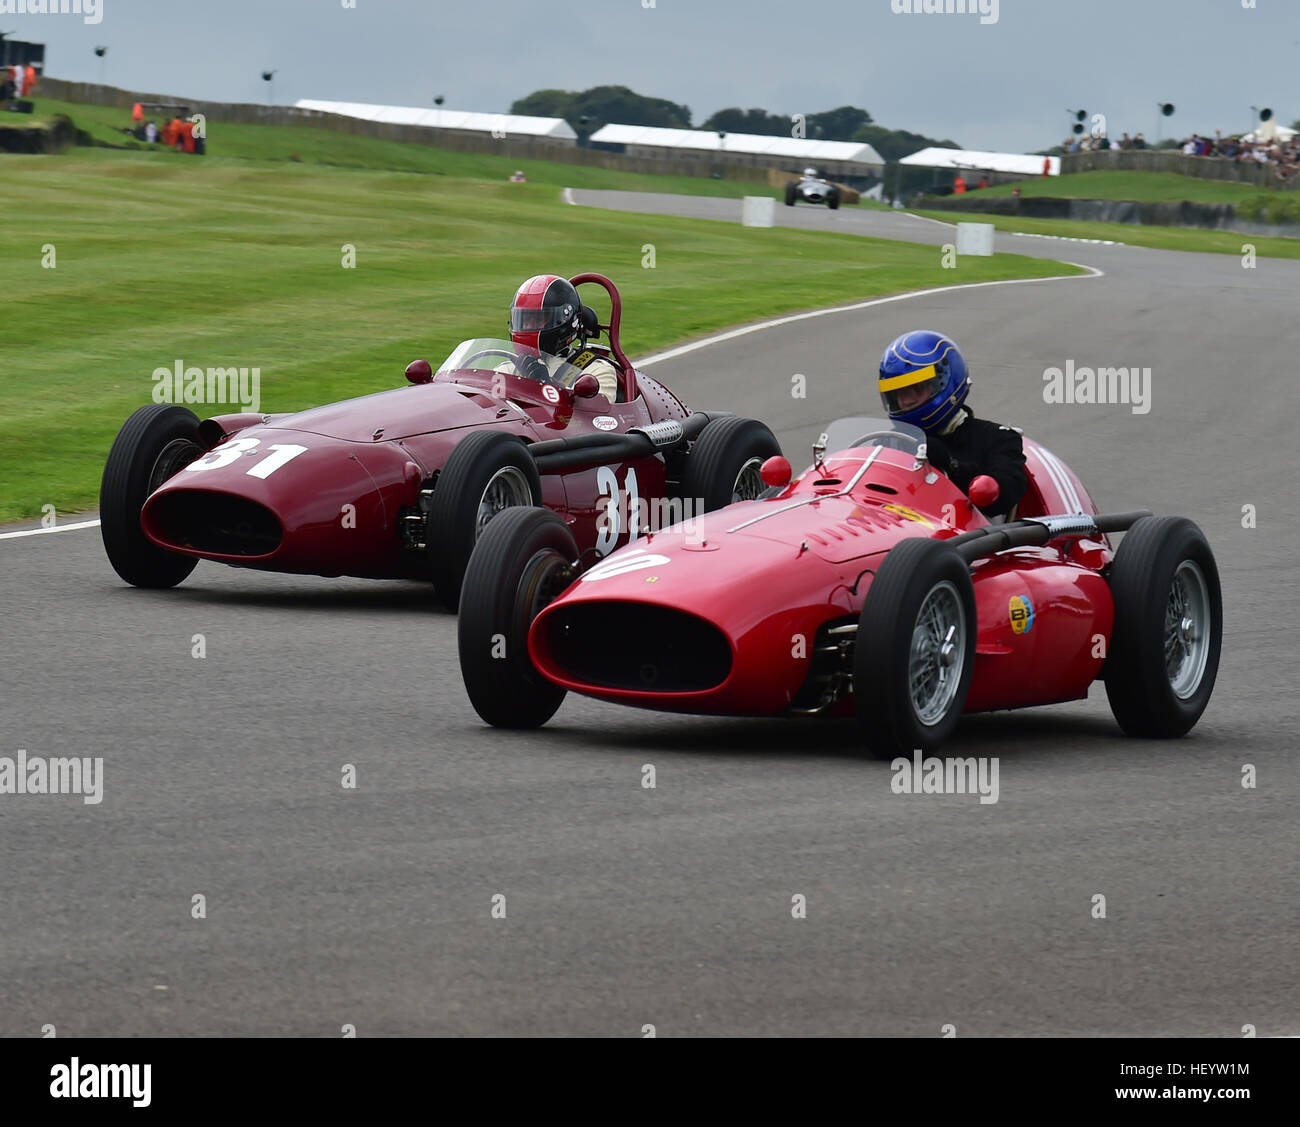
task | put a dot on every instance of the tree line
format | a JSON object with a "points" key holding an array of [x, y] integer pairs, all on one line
{"points": [[588, 110]]}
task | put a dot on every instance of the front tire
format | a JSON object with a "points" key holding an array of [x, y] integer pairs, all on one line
{"points": [[488, 471], [915, 649], [156, 442], [1164, 649], [723, 465], [523, 560]]}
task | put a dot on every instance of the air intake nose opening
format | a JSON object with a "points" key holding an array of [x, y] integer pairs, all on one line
{"points": [[214, 523], [637, 647]]}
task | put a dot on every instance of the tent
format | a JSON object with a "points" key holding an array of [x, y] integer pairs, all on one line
{"points": [[793, 149], [1270, 131], [509, 124], [972, 160]]}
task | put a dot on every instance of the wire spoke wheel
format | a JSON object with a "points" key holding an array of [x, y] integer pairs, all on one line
{"points": [[1187, 630], [915, 649], [173, 458], [507, 489], [749, 481], [937, 654]]}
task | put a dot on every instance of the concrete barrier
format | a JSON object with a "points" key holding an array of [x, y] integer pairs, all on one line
{"points": [[758, 211], [975, 239], [1178, 213]]}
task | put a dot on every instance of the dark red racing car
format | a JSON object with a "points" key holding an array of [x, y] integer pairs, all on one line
{"points": [[870, 586], [401, 483]]}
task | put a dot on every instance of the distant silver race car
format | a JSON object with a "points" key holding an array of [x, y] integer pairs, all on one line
{"points": [[812, 189]]}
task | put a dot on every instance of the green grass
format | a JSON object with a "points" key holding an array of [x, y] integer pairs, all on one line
{"points": [[1134, 234], [1143, 186], [235, 261]]}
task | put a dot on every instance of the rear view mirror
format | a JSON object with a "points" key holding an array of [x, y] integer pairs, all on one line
{"points": [[586, 386], [776, 471], [984, 490], [419, 371]]}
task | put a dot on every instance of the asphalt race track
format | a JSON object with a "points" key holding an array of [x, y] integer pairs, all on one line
{"points": [[672, 907]]}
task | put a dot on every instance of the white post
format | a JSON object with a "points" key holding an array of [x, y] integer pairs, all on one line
{"points": [[759, 211], [975, 239]]}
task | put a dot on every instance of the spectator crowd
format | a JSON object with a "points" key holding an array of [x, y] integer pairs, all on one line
{"points": [[1284, 155]]}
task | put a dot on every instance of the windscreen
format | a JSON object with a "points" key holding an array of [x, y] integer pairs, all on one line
{"points": [[866, 430], [489, 354]]}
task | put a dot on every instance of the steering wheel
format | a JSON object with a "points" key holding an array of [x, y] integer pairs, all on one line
{"points": [[490, 352], [890, 440], [519, 362]]}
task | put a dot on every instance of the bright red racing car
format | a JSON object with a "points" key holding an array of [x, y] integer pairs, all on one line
{"points": [[871, 586]]}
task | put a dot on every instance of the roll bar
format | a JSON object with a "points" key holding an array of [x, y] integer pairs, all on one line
{"points": [[628, 374]]}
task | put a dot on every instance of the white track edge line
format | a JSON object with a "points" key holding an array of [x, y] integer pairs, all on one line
{"points": [[46, 531], [732, 334]]}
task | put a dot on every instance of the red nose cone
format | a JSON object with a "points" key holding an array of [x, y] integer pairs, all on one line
{"points": [[419, 371], [984, 491], [776, 471]]}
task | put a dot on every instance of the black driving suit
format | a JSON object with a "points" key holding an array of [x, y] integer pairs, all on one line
{"points": [[977, 447]]}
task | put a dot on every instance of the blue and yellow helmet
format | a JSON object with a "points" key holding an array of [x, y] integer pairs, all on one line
{"points": [[923, 379]]}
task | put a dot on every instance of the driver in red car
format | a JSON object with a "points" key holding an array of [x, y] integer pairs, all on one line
{"points": [[924, 381], [548, 315]]}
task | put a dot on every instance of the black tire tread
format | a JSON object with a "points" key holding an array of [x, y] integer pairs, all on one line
{"points": [[506, 692], [719, 451], [1137, 685], [124, 488], [880, 685]]}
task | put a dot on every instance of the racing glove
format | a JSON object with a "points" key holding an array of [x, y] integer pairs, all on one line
{"points": [[531, 368], [936, 450]]}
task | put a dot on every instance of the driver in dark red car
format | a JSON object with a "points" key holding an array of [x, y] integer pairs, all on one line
{"points": [[548, 315]]}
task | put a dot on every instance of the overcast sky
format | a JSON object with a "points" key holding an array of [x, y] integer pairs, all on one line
{"points": [[1002, 85]]}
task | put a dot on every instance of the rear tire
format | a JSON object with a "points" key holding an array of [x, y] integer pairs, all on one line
{"points": [[790, 194], [157, 441], [487, 472], [722, 466], [1164, 649], [910, 678], [523, 560], [833, 199]]}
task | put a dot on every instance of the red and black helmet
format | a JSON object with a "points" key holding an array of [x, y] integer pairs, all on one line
{"points": [[546, 314]]}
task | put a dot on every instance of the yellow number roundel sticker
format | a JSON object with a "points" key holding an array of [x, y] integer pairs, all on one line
{"points": [[1021, 612]]}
